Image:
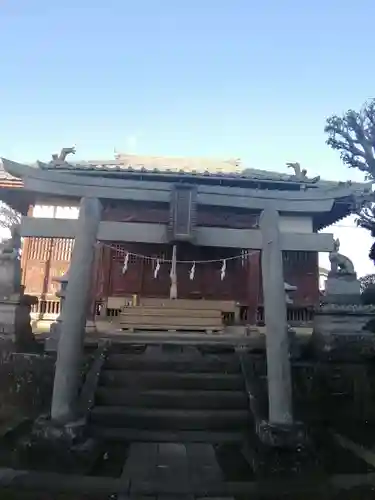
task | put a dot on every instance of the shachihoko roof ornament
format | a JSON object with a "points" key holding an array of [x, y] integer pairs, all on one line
{"points": [[59, 160], [301, 174]]}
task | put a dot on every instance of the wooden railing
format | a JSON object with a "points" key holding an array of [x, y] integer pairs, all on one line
{"points": [[50, 309], [46, 309], [295, 315]]}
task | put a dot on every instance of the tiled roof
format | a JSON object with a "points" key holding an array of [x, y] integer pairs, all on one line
{"points": [[177, 164], [248, 173], [230, 168], [4, 175], [174, 166]]}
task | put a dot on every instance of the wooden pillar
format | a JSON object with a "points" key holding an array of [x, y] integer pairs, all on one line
{"points": [[95, 282], [103, 277], [277, 342], [25, 249], [253, 286], [73, 320]]}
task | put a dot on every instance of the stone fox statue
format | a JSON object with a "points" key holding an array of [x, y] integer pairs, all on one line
{"points": [[339, 263]]}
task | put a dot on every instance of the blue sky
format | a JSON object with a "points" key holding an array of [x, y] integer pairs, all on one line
{"points": [[246, 79]]}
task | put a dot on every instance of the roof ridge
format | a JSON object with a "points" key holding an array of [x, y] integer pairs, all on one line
{"points": [[233, 173]]}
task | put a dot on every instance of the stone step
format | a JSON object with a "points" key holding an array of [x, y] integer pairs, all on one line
{"points": [[172, 398], [177, 466], [203, 364], [166, 419], [170, 380], [164, 436]]}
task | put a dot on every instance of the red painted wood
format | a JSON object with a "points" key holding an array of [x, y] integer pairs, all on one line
{"points": [[242, 282], [60, 256], [45, 259], [301, 269], [207, 282]]}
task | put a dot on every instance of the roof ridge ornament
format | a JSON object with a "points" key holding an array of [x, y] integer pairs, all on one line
{"points": [[60, 160], [301, 174]]}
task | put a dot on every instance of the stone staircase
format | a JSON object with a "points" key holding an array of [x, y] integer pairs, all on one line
{"points": [[170, 393]]}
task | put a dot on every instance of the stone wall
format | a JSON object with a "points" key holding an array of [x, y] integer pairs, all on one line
{"points": [[337, 394], [26, 382], [324, 393]]}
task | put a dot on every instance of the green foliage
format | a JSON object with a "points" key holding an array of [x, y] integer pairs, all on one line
{"points": [[366, 217], [8, 216], [368, 289], [353, 134], [366, 281]]}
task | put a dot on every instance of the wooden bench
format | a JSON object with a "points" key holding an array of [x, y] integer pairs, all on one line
{"points": [[225, 306], [172, 315], [229, 308]]}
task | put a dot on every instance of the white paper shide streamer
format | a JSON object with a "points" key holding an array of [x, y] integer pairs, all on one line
{"points": [[157, 268], [173, 275], [192, 271], [126, 263], [223, 270], [244, 256]]}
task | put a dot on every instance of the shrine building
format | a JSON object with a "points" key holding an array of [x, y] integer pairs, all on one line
{"points": [[192, 223]]}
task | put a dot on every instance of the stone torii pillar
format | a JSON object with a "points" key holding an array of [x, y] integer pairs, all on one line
{"points": [[73, 320], [277, 342]]}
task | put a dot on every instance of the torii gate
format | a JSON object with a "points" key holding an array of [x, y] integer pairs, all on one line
{"points": [[70, 349]]}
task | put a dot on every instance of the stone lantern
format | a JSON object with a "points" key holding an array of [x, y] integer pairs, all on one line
{"points": [[52, 341], [63, 280]]}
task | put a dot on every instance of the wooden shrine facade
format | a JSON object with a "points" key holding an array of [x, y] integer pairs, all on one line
{"points": [[209, 217], [46, 258]]}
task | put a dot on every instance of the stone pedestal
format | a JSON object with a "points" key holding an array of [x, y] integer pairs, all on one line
{"points": [[343, 289], [15, 306], [342, 330], [288, 436], [62, 447], [15, 320], [341, 323], [10, 278], [8, 307]]}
